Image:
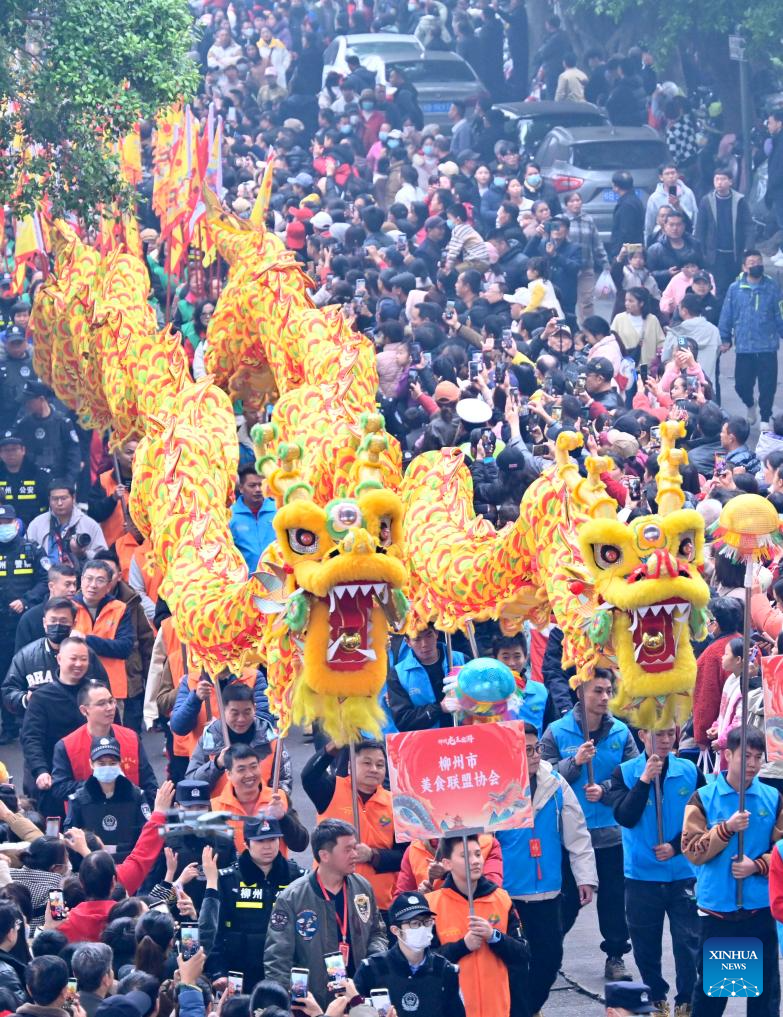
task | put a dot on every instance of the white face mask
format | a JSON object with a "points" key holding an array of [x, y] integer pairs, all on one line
{"points": [[418, 939], [106, 774]]}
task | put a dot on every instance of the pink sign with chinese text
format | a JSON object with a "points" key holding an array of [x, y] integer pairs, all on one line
{"points": [[459, 778], [772, 680]]}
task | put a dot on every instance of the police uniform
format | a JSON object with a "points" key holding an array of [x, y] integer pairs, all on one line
{"points": [[247, 896], [22, 577], [27, 489], [631, 996], [116, 819], [15, 373], [52, 442]]}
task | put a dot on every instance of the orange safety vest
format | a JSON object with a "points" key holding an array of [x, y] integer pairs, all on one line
{"points": [[105, 627], [153, 577], [226, 801], [114, 526], [483, 977], [421, 855], [376, 830], [78, 743]]}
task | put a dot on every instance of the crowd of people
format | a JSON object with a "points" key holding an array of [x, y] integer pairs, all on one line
{"points": [[479, 283]]}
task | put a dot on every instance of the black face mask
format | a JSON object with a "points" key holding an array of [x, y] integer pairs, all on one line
{"points": [[56, 633], [756, 271]]}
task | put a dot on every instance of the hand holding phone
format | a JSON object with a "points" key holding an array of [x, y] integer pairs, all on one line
{"points": [[56, 905], [380, 1001], [335, 971], [189, 941], [236, 980], [299, 977]]}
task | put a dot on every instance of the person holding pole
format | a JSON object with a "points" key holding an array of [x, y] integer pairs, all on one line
{"points": [[584, 747], [477, 928], [710, 841], [659, 879], [379, 854]]}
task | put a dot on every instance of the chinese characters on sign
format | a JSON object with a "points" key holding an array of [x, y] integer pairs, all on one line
{"points": [[772, 678], [444, 781]]}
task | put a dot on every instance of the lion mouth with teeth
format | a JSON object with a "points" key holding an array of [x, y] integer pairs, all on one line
{"points": [[651, 602], [347, 568]]}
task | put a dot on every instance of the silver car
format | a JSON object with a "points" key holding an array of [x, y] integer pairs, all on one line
{"points": [[583, 159], [380, 45], [439, 79]]}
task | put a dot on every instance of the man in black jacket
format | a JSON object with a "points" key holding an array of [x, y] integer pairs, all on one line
{"points": [[774, 197], [248, 891], [410, 969], [22, 484], [666, 257], [62, 581], [549, 55], [49, 436], [52, 713], [36, 663], [628, 216], [724, 228], [625, 103]]}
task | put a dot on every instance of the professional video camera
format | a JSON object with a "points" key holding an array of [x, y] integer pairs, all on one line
{"points": [[187, 828]]}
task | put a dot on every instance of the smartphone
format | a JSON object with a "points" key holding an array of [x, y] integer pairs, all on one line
{"points": [[188, 941], [380, 1001], [401, 243], [581, 384], [426, 358], [361, 288], [643, 371], [299, 977], [673, 190], [473, 369], [53, 826], [513, 382], [584, 413], [451, 305], [556, 413], [720, 464], [634, 486], [489, 439], [235, 981], [682, 343], [413, 376], [330, 278], [416, 352], [57, 905], [692, 384], [632, 249], [335, 968], [541, 450], [71, 990], [655, 433], [500, 373]]}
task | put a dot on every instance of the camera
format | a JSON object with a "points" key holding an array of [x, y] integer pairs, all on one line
{"points": [[489, 439], [185, 828]]}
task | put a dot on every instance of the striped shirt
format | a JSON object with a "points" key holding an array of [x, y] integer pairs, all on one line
{"points": [[465, 241]]}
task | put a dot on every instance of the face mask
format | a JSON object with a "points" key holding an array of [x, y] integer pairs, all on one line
{"points": [[56, 633], [427, 149], [534, 180], [393, 143], [755, 272], [417, 939], [383, 135], [345, 128], [499, 181], [354, 119], [106, 774], [7, 532], [367, 105], [450, 223]]}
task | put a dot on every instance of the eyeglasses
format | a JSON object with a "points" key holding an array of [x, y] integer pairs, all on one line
{"points": [[421, 923], [533, 750], [60, 497]]}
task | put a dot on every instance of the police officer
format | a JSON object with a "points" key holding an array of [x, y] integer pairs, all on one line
{"points": [[419, 980], [248, 891], [50, 438], [22, 584], [22, 484], [609, 744], [659, 879], [107, 803], [15, 372]]}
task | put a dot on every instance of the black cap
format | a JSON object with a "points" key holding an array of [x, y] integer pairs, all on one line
{"points": [[15, 334], [602, 367], [107, 746], [34, 389], [407, 906], [7, 513], [10, 438], [131, 1004], [193, 792], [702, 277], [261, 828], [633, 996]]}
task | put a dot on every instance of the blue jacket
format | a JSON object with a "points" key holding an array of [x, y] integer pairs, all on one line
{"points": [[410, 694], [564, 266], [716, 888], [524, 874], [530, 704], [187, 706], [677, 786], [252, 534], [752, 316]]}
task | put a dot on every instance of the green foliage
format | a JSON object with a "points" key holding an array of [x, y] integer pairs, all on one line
{"points": [[82, 73]]}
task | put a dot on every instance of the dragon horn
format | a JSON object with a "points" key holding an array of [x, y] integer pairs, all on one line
{"points": [[590, 494], [258, 215], [669, 479]]}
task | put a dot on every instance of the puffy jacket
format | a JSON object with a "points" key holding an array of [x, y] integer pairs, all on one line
{"points": [[36, 665], [434, 985], [210, 745], [52, 713], [12, 976], [187, 705], [751, 316]]}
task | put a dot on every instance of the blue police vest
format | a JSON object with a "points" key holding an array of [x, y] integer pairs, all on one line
{"points": [[716, 888], [639, 861], [608, 755], [524, 875], [529, 705]]}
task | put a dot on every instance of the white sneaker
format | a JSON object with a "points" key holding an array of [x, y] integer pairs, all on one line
{"points": [[753, 415], [765, 425]]}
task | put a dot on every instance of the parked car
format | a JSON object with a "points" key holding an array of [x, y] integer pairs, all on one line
{"points": [[381, 45], [583, 159], [439, 79], [528, 123]]}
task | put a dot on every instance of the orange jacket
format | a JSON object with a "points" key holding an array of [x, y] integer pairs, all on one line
{"points": [[226, 801], [105, 627], [153, 577], [420, 854], [483, 977], [376, 830], [114, 526]]}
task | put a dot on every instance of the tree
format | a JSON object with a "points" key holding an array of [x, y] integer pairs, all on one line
{"points": [[75, 77]]}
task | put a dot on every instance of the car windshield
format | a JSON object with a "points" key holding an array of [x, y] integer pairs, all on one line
{"points": [[533, 130], [424, 71], [362, 49], [608, 155]]}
